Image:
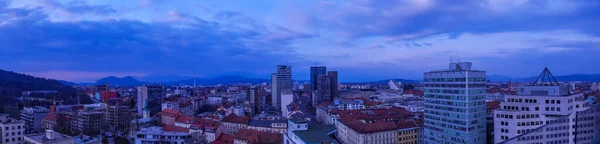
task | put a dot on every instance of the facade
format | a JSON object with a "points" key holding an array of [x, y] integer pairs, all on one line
{"points": [[246, 136], [153, 94], [315, 72], [32, 116], [335, 84], [455, 109], [272, 126], [11, 130], [119, 113], [323, 90], [49, 137], [254, 95], [158, 135], [538, 105], [283, 81], [89, 123], [287, 97], [232, 123], [410, 135]]}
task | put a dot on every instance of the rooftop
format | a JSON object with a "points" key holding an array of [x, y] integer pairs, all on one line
{"points": [[316, 133], [232, 118], [258, 137], [42, 137], [265, 123]]}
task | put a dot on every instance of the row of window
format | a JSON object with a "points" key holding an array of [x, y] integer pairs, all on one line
{"points": [[526, 138], [565, 134], [530, 123], [521, 100], [528, 116], [13, 139], [557, 128], [479, 79], [524, 131], [552, 108], [564, 141], [552, 101], [13, 127], [13, 133]]}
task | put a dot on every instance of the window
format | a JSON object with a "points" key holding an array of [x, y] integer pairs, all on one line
{"points": [[537, 108], [557, 101]]}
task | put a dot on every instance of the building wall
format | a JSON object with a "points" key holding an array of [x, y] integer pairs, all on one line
{"points": [[232, 128], [12, 133], [455, 107], [349, 136], [142, 96], [409, 136]]}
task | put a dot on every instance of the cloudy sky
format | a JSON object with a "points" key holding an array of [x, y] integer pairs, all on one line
{"points": [[82, 41]]}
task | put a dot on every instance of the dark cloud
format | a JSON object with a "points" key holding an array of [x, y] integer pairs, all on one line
{"points": [[31, 42], [397, 18], [78, 7]]}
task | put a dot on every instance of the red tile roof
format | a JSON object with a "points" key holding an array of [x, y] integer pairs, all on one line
{"points": [[184, 119], [232, 118], [223, 139], [258, 137], [493, 104], [173, 128]]}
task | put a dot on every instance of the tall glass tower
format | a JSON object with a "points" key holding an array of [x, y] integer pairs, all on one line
{"points": [[455, 110]]}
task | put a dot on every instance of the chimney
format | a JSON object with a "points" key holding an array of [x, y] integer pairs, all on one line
{"points": [[50, 134]]}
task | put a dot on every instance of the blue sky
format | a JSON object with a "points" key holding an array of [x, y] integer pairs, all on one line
{"points": [[364, 40]]}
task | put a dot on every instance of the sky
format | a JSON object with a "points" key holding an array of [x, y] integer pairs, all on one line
{"points": [[84, 40]]}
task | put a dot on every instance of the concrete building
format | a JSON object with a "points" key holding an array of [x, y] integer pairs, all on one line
{"points": [[352, 131], [335, 84], [232, 123], [272, 126], [287, 97], [49, 137], [32, 116], [119, 113], [538, 105], [323, 92], [315, 72], [90, 123], [11, 130], [158, 135], [247, 136], [254, 95], [283, 81], [455, 105], [151, 93]]}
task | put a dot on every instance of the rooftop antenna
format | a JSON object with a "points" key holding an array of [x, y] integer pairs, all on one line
{"points": [[457, 57]]}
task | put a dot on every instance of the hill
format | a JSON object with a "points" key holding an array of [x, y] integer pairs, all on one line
{"points": [[12, 84], [385, 81]]}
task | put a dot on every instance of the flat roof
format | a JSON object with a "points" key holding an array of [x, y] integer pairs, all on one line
{"points": [[316, 133]]}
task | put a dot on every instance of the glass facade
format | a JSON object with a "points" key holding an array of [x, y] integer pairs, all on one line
{"points": [[455, 110]]}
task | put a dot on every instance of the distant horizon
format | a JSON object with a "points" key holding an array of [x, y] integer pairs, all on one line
{"points": [[188, 77]]}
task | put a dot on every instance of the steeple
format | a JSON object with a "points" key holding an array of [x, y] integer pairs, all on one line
{"points": [[146, 112]]}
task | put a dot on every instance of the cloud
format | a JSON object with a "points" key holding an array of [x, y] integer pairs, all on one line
{"points": [[132, 46]]}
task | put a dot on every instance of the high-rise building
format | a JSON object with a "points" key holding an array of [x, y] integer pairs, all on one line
{"points": [[254, 95], [283, 81], [323, 92], [545, 103], [314, 77], [153, 94], [455, 110], [333, 76], [272, 98]]}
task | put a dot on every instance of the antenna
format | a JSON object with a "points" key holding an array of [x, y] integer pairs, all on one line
{"points": [[457, 57]]}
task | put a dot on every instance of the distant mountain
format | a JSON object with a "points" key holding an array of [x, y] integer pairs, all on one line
{"points": [[221, 80], [163, 78], [67, 83], [571, 77], [498, 78], [124, 81]]}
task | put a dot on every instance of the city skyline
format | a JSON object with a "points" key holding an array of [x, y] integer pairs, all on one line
{"points": [[83, 41]]}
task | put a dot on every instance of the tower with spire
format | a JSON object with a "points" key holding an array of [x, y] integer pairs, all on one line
{"points": [[146, 113]]}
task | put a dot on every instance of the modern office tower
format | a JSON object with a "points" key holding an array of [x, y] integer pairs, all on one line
{"points": [[32, 116], [314, 77], [323, 92], [283, 81], [255, 97], [333, 76], [151, 93], [545, 103], [455, 110]]}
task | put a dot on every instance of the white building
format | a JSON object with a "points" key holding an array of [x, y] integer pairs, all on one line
{"points": [[32, 116], [287, 97], [11, 130], [157, 135], [538, 105], [142, 96]]}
